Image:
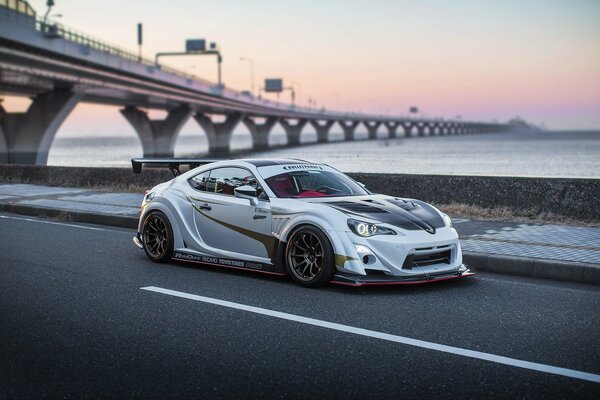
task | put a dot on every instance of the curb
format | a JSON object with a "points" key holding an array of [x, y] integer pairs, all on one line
{"points": [[121, 221], [567, 271]]}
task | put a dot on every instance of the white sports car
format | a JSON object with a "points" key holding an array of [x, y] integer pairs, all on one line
{"points": [[307, 220]]}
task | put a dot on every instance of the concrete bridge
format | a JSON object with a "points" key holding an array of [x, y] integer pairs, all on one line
{"points": [[58, 68]]}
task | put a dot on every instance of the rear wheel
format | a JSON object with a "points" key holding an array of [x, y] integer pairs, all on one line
{"points": [[157, 237], [309, 257]]}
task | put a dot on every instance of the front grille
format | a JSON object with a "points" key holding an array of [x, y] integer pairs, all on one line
{"points": [[424, 260]]}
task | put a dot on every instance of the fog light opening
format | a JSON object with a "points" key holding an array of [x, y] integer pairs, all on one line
{"points": [[365, 259]]}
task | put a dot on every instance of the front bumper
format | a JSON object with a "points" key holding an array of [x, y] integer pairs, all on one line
{"points": [[343, 278]]}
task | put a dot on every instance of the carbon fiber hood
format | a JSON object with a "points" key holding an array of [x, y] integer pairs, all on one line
{"points": [[404, 213]]}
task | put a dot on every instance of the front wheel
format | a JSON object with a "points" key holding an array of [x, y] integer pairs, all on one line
{"points": [[309, 257], [157, 237]]}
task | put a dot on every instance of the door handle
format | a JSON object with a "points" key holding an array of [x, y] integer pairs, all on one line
{"points": [[204, 206]]}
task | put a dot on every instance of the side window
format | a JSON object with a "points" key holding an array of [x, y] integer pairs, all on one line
{"points": [[200, 181], [224, 180]]}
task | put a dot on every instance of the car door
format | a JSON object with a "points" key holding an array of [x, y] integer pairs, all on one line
{"points": [[235, 227]]}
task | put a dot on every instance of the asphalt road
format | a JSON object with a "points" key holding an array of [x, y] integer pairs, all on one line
{"points": [[75, 323]]}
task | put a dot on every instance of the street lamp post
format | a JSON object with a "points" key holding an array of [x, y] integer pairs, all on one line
{"points": [[251, 62], [49, 4]]}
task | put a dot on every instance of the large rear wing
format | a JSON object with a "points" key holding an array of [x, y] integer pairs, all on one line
{"points": [[172, 163]]}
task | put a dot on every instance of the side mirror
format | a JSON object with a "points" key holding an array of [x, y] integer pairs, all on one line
{"points": [[246, 192]]}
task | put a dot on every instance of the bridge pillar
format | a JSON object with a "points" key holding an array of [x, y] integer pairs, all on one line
{"points": [[348, 128], [322, 129], [449, 128], [25, 138], [421, 128], [3, 145], [157, 136], [433, 129], [218, 133], [293, 131], [372, 128], [392, 128], [260, 132], [407, 126]]}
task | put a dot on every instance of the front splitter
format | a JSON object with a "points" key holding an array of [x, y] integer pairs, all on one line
{"points": [[381, 280]]}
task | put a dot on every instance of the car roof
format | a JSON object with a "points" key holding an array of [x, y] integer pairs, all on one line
{"points": [[256, 162], [269, 162]]}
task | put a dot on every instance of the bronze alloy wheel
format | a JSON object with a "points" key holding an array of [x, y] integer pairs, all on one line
{"points": [[157, 237], [309, 257]]}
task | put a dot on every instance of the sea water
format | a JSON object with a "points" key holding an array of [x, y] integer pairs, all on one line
{"points": [[537, 154]]}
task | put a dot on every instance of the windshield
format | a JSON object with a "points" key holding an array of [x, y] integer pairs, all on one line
{"points": [[313, 183]]}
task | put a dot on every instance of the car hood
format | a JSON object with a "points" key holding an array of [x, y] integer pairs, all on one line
{"points": [[406, 214]]}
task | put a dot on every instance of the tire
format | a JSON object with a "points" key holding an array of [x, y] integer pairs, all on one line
{"points": [[309, 258], [157, 237]]}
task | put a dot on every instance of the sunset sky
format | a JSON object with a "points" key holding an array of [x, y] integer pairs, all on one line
{"points": [[482, 60]]}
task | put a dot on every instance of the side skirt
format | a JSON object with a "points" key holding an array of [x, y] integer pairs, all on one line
{"points": [[227, 263]]}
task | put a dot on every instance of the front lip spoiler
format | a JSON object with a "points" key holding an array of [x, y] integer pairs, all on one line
{"points": [[137, 241], [381, 280]]}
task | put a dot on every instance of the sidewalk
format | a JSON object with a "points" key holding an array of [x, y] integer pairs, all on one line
{"points": [[546, 251]]}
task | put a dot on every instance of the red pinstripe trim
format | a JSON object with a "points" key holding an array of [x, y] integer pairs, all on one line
{"points": [[400, 282]]}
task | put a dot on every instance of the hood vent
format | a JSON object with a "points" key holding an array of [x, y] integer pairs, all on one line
{"points": [[405, 205], [357, 207]]}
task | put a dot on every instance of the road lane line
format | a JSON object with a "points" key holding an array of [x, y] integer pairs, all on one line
{"points": [[57, 223], [513, 362]]}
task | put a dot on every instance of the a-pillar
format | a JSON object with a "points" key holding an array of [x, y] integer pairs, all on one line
{"points": [[392, 128], [158, 136], [372, 128], [25, 138], [322, 129], [218, 133], [348, 128], [293, 131], [260, 132]]}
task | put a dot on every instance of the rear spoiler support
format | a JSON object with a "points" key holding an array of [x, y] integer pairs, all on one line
{"points": [[172, 163]]}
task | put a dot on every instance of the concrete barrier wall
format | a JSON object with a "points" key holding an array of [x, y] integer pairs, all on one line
{"points": [[577, 198], [119, 178]]}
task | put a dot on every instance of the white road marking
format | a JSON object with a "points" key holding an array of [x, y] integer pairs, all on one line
{"points": [[513, 362], [41, 221]]}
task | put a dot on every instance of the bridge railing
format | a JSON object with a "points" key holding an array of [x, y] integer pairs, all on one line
{"points": [[20, 11], [20, 6]]}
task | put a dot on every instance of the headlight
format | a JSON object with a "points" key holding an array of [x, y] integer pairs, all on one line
{"points": [[366, 229], [447, 220]]}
